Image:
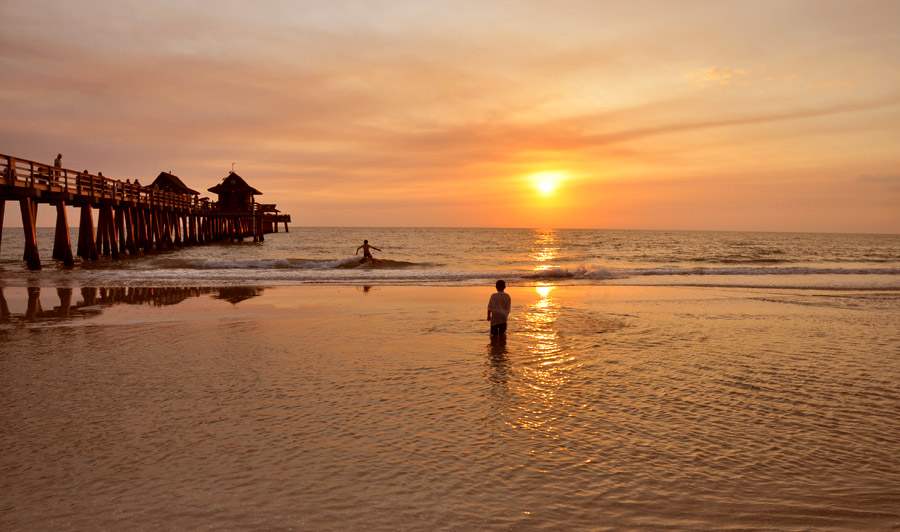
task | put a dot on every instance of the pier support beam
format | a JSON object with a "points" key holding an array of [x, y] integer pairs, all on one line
{"points": [[157, 228], [2, 208], [119, 217], [87, 245], [111, 231], [102, 231], [62, 244], [128, 214], [4, 307], [29, 208]]}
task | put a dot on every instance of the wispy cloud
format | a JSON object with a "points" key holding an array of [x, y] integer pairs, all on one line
{"points": [[879, 178], [829, 84], [718, 75]]}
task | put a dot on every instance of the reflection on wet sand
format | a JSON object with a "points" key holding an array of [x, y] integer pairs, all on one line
{"points": [[94, 300], [548, 365], [499, 368], [534, 368], [236, 294]]}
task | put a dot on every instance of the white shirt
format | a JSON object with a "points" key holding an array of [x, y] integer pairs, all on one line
{"points": [[499, 305]]}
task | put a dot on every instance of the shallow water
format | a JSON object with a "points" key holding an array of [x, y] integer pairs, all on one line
{"points": [[388, 408]]}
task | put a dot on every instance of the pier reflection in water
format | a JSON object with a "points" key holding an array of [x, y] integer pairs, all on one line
{"points": [[90, 301]]}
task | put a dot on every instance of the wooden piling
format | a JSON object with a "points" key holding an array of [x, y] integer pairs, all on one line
{"points": [[102, 232], [140, 229], [87, 244], [157, 229], [111, 231], [4, 307], [128, 213], [2, 208], [28, 208], [62, 243], [119, 215]]}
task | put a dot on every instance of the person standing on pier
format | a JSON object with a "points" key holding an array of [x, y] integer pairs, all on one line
{"points": [[57, 164]]}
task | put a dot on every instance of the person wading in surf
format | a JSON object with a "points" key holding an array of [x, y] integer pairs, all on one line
{"points": [[498, 310], [366, 253]]}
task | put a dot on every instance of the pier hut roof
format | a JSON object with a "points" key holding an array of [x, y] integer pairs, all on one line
{"points": [[233, 183], [172, 183]]}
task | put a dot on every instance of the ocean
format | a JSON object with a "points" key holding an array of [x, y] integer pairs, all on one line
{"points": [[650, 380], [468, 257]]}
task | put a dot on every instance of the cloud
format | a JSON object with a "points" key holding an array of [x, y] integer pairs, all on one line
{"points": [[828, 84], [879, 178], [718, 76]]}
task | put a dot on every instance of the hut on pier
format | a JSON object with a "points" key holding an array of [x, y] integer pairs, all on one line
{"points": [[235, 195], [171, 183]]}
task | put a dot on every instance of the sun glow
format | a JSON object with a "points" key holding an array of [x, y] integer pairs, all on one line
{"points": [[547, 182]]}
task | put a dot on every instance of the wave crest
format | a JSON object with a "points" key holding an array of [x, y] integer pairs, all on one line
{"points": [[581, 272], [276, 264]]}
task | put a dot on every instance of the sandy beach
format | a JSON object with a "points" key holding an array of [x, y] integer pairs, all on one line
{"points": [[386, 408]]}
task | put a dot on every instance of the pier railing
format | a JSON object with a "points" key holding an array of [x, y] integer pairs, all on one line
{"points": [[43, 179]]}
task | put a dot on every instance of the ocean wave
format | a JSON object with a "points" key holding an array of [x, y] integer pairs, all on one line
{"points": [[427, 271], [760, 270], [169, 263], [602, 272], [581, 272]]}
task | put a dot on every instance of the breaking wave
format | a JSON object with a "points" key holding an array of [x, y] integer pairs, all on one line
{"points": [[600, 273], [278, 264]]}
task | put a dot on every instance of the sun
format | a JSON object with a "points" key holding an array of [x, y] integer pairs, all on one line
{"points": [[546, 187], [547, 182]]}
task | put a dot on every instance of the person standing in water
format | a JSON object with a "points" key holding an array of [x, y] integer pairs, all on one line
{"points": [[498, 310], [366, 253]]}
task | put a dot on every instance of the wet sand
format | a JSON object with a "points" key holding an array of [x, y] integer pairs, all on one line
{"points": [[389, 408]]}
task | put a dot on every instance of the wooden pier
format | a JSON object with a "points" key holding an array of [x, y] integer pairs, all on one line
{"points": [[131, 218]]}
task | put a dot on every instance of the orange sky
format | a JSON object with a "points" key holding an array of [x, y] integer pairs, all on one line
{"points": [[775, 115]]}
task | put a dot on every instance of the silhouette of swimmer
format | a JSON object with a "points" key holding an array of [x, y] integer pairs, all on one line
{"points": [[366, 253]]}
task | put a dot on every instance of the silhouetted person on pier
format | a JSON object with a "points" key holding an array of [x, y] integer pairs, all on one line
{"points": [[366, 253], [498, 310], [57, 163]]}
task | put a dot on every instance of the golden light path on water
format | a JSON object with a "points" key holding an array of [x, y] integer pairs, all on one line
{"points": [[545, 248], [549, 366]]}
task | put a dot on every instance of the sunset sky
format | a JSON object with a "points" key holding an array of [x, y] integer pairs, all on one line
{"points": [[745, 115]]}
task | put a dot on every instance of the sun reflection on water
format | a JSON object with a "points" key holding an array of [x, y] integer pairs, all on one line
{"points": [[546, 364], [545, 248]]}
